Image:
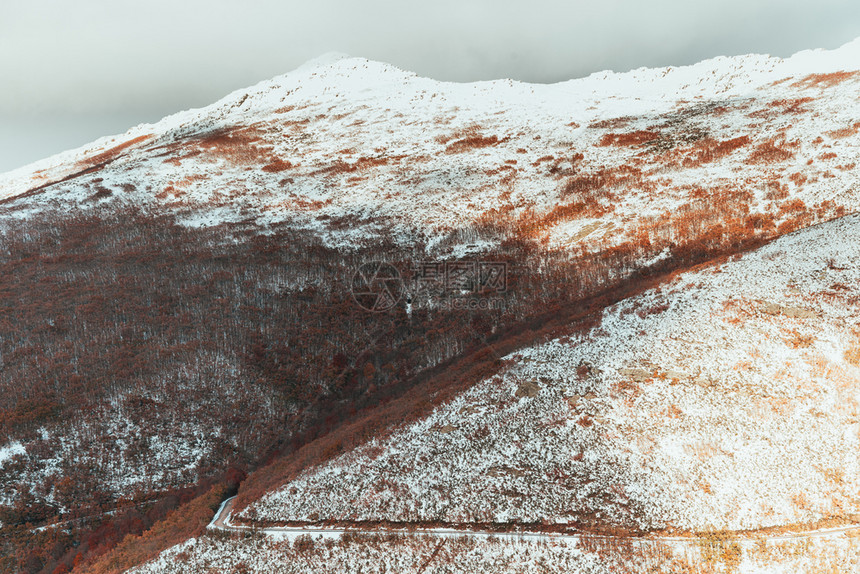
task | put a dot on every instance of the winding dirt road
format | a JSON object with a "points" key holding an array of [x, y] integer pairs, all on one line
{"points": [[221, 521]]}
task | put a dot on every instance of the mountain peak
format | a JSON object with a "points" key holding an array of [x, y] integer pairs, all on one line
{"points": [[323, 60]]}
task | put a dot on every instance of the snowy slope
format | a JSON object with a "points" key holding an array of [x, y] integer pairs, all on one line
{"points": [[727, 399], [466, 555], [351, 138]]}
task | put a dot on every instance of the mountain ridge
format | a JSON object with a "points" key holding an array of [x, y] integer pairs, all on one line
{"points": [[805, 60]]}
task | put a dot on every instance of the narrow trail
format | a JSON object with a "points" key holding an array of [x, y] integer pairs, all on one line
{"points": [[222, 521]]}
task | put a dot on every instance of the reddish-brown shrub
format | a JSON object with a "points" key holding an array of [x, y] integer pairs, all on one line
{"points": [[237, 144], [277, 166], [798, 178], [638, 137], [111, 154], [769, 152], [843, 132], [824, 80], [708, 150], [792, 106], [472, 142]]}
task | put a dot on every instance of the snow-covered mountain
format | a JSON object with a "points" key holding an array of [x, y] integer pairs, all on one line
{"points": [[594, 158], [675, 347]]}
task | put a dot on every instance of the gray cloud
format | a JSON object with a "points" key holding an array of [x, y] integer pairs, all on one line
{"points": [[141, 60]]}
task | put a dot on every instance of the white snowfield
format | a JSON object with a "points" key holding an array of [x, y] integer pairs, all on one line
{"points": [[348, 137], [727, 399]]}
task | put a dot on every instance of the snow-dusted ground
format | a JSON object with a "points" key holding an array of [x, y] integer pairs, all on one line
{"points": [[370, 554], [138, 442], [9, 450], [427, 555], [726, 399]]}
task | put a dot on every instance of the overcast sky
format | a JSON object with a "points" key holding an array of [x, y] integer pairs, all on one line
{"points": [[73, 71]]}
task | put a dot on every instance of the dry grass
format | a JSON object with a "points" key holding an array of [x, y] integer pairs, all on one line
{"points": [[824, 80], [792, 106], [852, 355], [611, 124], [638, 137], [844, 132], [709, 150], [112, 153], [236, 145], [278, 165], [472, 142], [769, 152]]}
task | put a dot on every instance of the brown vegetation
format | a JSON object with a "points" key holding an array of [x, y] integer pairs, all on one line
{"points": [[237, 144], [185, 522], [769, 152], [277, 166], [612, 123], [824, 80], [638, 137], [792, 106], [708, 150], [472, 142], [844, 132], [141, 529], [111, 154]]}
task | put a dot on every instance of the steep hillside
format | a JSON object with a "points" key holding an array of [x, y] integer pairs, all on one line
{"points": [[725, 399]]}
